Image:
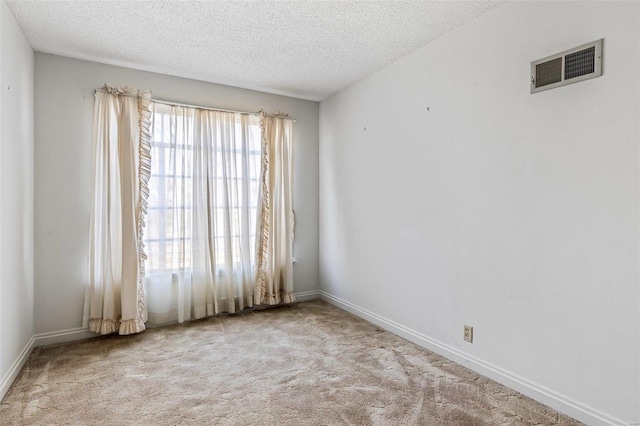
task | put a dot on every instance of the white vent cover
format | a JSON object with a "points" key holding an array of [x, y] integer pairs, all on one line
{"points": [[571, 66]]}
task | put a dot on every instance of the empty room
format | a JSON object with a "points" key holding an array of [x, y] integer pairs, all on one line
{"points": [[319, 212]]}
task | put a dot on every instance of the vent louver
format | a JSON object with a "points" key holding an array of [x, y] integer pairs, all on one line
{"points": [[571, 66], [549, 72]]}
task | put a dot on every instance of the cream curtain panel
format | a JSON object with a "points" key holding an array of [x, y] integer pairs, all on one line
{"points": [[202, 213], [121, 135], [274, 283]]}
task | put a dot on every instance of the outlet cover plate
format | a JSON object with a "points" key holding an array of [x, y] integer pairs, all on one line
{"points": [[468, 333]]}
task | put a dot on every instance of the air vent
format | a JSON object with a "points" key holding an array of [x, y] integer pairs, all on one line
{"points": [[571, 66]]}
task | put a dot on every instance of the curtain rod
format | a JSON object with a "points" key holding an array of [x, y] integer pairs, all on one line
{"points": [[171, 103]]}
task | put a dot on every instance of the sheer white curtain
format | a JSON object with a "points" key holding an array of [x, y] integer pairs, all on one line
{"points": [[115, 299], [202, 219], [274, 282]]}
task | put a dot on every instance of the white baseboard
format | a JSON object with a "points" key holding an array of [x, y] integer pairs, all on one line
{"points": [[541, 394], [40, 340], [17, 365], [62, 336], [305, 296]]}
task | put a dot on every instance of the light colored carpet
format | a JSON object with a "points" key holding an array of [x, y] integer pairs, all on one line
{"points": [[305, 364]]}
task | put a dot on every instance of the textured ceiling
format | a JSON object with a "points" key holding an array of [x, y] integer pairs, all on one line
{"points": [[304, 49]]}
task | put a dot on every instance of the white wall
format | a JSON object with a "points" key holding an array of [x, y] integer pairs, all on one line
{"points": [[63, 117], [16, 198], [514, 213]]}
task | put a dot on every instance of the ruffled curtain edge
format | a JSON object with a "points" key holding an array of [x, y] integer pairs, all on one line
{"points": [[263, 219], [144, 174]]}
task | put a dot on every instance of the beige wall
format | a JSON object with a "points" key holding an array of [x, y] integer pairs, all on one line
{"points": [[63, 116]]}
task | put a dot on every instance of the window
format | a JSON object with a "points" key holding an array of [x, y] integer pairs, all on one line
{"points": [[204, 183]]}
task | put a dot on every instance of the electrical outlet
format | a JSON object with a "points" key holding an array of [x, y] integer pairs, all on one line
{"points": [[468, 333]]}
